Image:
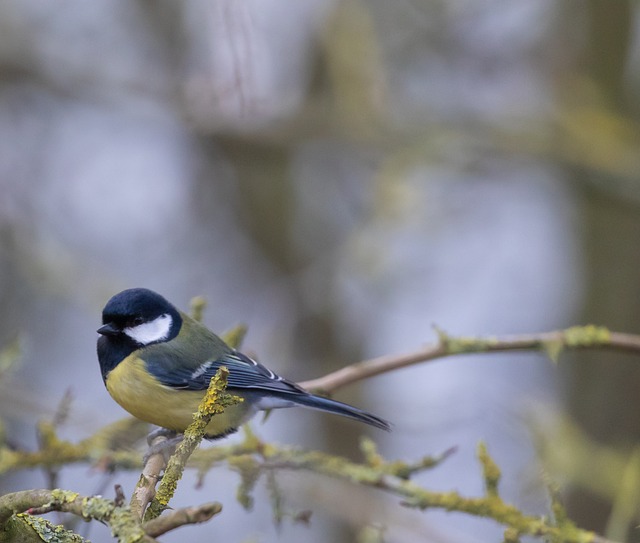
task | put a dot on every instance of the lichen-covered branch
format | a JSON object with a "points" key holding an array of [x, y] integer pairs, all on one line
{"points": [[124, 526], [392, 477], [567, 452], [19, 517], [214, 402], [108, 448], [252, 458], [145, 489], [552, 343], [180, 517]]}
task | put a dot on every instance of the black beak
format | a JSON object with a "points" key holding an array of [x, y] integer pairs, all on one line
{"points": [[108, 329]]}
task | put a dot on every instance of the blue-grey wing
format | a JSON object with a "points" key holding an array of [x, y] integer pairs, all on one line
{"points": [[244, 373]]}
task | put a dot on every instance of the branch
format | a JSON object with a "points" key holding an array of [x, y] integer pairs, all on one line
{"points": [[552, 343], [214, 403], [122, 522], [106, 448], [180, 517], [145, 489], [374, 472], [253, 456], [393, 477]]}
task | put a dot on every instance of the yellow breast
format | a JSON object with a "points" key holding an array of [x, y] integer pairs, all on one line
{"points": [[137, 391]]}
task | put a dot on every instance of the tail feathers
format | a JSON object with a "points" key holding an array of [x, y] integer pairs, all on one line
{"points": [[339, 408]]}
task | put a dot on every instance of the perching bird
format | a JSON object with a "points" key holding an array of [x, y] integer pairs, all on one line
{"points": [[157, 363]]}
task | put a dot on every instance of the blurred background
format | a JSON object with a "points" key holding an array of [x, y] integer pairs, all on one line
{"points": [[340, 176]]}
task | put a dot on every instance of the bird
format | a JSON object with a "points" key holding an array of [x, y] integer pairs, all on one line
{"points": [[156, 362]]}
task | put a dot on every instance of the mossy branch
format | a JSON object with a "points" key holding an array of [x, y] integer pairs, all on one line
{"points": [[145, 490], [16, 509], [551, 343], [253, 457], [257, 457], [490, 471], [107, 448], [107, 445], [391, 477], [214, 403]]}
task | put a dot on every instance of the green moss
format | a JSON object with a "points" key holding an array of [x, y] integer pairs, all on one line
{"points": [[47, 531], [63, 496], [9, 357], [122, 522], [124, 526], [214, 402], [249, 471], [511, 536], [121, 434], [97, 508], [461, 345], [587, 336], [8, 460], [554, 348], [235, 336], [490, 470], [370, 452], [197, 306]]}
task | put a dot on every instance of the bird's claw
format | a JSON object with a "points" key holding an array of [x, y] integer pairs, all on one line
{"points": [[165, 447]]}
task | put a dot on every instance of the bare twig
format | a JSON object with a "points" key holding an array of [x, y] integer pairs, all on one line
{"points": [[180, 517], [120, 497], [145, 490]]}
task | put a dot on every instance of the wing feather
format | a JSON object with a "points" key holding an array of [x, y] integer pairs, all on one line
{"points": [[244, 372]]}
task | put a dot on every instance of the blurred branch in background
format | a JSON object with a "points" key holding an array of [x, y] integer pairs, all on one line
{"points": [[9, 357], [612, 474], [600, 392], [256, 457], [551, 343], [461, 103]]}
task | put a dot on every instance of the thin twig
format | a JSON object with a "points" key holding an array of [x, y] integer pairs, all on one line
{"points": [[145, 490], [552, 343], [180, 517]]}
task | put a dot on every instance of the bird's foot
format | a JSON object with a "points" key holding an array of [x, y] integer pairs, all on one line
{"points": [[160, 432], [165, 447]]}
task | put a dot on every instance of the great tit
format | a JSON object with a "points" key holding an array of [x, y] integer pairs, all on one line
{"points": [[157, 362]]}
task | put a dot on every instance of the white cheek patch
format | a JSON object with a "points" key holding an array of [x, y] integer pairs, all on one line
{"points": [[150, 332]]}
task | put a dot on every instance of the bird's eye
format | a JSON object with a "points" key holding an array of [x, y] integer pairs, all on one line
{"points": [[137, 321]]}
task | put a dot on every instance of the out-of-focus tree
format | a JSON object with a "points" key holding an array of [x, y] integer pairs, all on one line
{"points": [[340, 175]]}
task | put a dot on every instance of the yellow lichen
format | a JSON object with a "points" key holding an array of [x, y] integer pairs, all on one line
{"points": [[197, 307], [234, 337], [214, 402], [47, 531], [490, 470], [63, 496], [587, 336], [98, 508]]}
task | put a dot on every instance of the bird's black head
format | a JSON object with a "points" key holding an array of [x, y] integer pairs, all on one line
{"points": [[132, 319]]}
